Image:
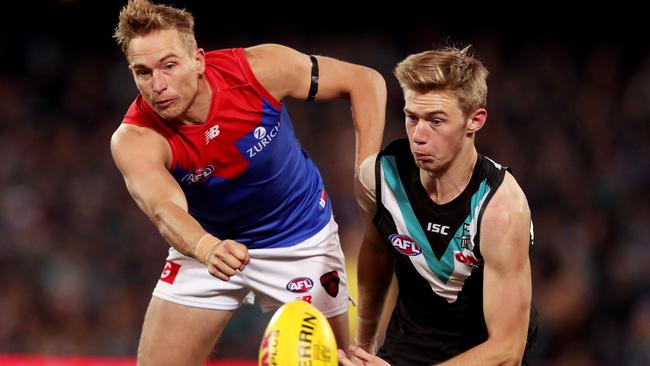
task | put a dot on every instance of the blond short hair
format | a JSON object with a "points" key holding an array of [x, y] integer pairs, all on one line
{"points": [[446, 69], [141, 17]]}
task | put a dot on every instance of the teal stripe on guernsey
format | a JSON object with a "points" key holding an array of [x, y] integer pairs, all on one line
{"points": [[444, 267], [476, 200]]}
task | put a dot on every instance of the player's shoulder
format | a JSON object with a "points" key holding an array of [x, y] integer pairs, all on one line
{"points": [[273, 56], [366, 172], [508, 205], [267, 49], [129, 136], [132, 145]]}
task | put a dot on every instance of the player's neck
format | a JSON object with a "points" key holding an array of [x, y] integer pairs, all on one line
{"points": [[199, 108], [445, 185]]}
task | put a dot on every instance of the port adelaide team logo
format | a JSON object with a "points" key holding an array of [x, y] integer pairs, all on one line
{"points": [[405, 245]]}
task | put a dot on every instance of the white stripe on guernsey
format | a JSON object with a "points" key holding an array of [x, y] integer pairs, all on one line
{"points": [[449, 291], [473, 225], [494, 162], [532, 233]]}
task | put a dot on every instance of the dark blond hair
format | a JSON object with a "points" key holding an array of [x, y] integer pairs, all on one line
{"points": [[141, 17], [446, 69]]}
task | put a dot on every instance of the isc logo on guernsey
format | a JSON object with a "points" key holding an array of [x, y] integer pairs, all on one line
{"points": [[405, 245], [264, 138]]}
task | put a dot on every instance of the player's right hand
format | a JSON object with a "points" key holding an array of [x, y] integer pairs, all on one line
{"points": [[226, 257], [359, 357]]}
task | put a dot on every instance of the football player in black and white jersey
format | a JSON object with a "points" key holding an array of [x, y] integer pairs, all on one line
{"points": [[453, 225]]}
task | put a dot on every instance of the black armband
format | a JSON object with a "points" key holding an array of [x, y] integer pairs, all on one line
{"points": [[313, 85]]}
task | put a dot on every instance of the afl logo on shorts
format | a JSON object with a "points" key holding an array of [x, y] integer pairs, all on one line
{"points": [[300, 284], [405, 245]]}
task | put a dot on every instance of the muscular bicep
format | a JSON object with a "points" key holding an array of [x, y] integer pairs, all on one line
{"points": [[141, 156], [505, 234]]}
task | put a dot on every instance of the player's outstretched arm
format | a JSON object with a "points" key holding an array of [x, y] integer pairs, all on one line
{"points": [[285, 72], [142, 157]]}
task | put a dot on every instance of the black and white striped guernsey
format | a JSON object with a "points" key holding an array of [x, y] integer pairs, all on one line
{"points": [[438, 262]]}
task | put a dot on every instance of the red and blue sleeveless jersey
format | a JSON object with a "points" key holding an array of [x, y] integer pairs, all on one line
{"points": [[243, 171]]}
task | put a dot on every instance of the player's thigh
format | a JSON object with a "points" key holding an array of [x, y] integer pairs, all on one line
{"points": [[174, 334]]}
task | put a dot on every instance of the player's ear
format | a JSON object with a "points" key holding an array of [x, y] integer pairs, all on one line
{"points": [[476, 120], [199, 58]]}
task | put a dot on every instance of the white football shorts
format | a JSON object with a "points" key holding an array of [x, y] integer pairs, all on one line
{"points": [[313, 270]]}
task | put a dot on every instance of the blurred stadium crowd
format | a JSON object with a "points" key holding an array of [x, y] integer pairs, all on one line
{"points": [[78, 260]]}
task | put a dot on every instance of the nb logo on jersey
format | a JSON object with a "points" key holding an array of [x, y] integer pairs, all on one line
{"points": [[437, 228], [211, 133]]}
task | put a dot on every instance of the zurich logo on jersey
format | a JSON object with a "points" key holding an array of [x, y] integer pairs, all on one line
{"points": [[198, 175], [405, 245], [264, 139], [259, 133]]}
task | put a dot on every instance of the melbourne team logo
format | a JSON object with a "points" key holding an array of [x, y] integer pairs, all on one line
{"points": [[330, 282], [198, 175], [300, 284], [405, 245]]}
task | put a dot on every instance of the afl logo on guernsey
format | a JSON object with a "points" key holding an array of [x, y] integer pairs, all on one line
{"points": [[405, 245], [300, 284], [198, 175]]}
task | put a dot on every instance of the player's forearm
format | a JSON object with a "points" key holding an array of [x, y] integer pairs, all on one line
{"points": [[368, 98], [490, 353], [178, 227], [374, 272]]}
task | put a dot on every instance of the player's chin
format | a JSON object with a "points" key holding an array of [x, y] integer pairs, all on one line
{"points": [[426, 164], [167, 113]]}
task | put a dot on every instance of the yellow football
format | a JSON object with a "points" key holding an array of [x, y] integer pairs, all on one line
{"points": [[298, 335]]}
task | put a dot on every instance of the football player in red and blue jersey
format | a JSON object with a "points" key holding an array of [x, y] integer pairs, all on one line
{"points": [[208, 152]]}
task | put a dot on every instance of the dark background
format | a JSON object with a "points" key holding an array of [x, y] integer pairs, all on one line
{"points": [[569, 111]]}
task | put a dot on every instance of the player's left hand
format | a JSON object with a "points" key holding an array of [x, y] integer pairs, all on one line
{"points": [[360, 358]]}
